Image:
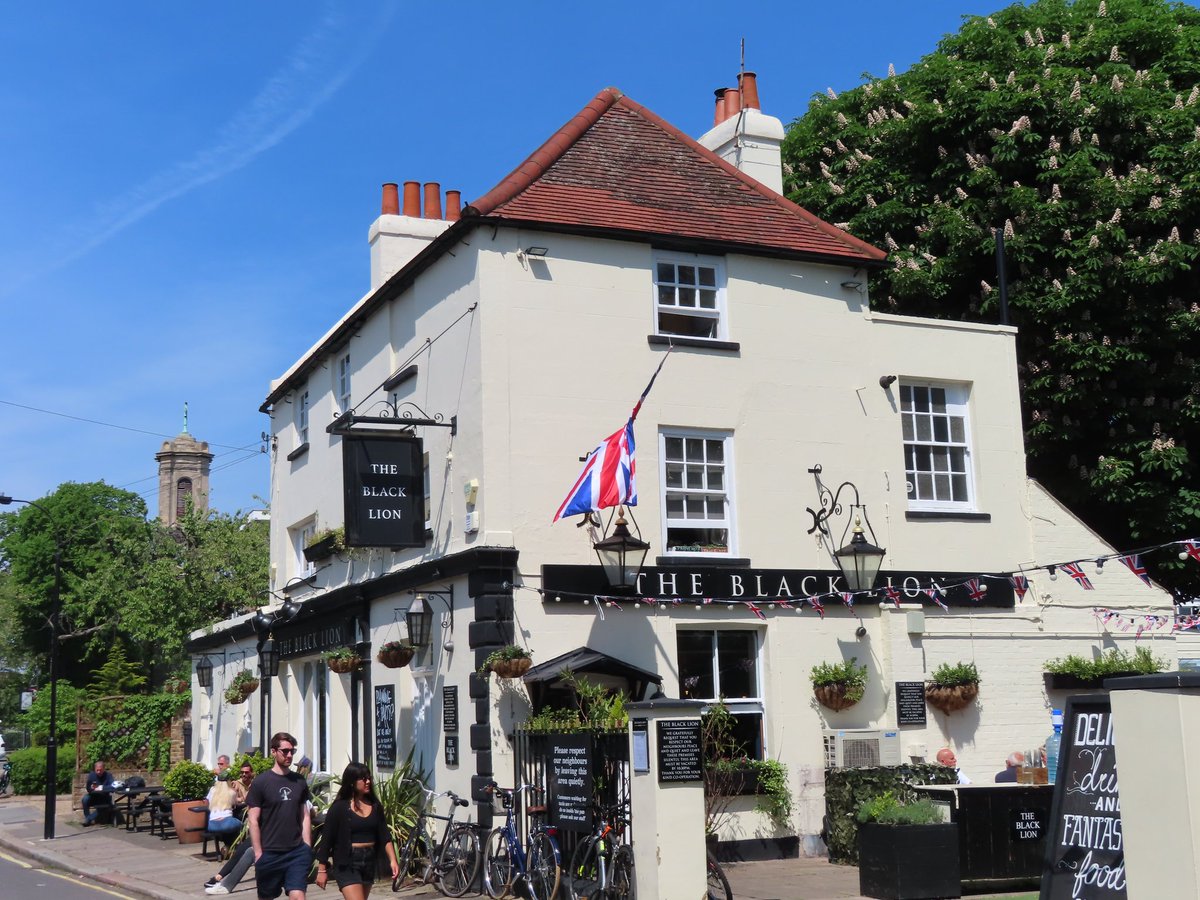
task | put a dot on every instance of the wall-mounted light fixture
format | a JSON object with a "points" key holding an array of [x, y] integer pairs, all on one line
{"points": [[419, 618], [621, 554], [886, 381], [852, 285], [524, 254], [860, 559]]}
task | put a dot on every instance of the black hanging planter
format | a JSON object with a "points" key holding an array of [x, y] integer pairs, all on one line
{"points": [[908, 862]]}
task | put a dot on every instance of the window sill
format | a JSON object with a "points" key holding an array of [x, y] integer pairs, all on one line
{"points": [[702, 559], [670, 340], [918, 515], [298, 452]]}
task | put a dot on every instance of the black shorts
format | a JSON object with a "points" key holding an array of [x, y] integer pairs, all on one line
{"points": [[282, 871], [361, 869]]}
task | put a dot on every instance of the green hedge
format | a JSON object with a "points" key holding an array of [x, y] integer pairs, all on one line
{"points": [[29, 769], [845, 789]]}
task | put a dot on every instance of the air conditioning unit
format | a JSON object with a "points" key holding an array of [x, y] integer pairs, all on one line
{"points": [[856, 748]]}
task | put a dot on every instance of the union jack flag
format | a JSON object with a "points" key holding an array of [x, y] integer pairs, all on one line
{"points": [[757, 612], [817, 605], [936, 596], [848, 599], [892, 594], [1020, 585], [609, 472], [1192, 549], [1078, 574], [976, 589], [1133, 562]]}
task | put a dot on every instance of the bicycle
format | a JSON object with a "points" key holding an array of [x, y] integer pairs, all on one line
{"points": [[602, 868], [537, 864], [718, 884], [5, 775], [453, 862]]}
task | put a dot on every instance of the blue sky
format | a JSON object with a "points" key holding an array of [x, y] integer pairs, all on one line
{"points": [[187, 190]]}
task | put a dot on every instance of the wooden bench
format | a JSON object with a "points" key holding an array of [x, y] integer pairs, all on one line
{"points": [[217, 837]]}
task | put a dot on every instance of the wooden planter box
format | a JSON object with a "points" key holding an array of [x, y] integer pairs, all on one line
{"points": [[511, 668], [951, 698], [327, 546], [1058, 682], [833, 696], [396, 658], [908, 862]]}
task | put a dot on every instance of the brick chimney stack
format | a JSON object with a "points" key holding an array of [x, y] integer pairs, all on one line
{"points": [[743, 136]]}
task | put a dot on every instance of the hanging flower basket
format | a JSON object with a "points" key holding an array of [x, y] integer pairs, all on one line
{"points": [[834, 696], [343, 662], [511, 668], [395, 655], [951, 698]]}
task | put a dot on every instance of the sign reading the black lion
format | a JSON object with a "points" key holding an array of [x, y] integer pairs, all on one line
{"points": [[679, 750], [384, 483], [1086, 856]]}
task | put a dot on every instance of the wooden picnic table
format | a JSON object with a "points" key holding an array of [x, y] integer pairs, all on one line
{"points": [[134, 802]]}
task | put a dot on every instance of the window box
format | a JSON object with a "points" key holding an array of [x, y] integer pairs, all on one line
{"points": [[1055, 681], [325, 547]]}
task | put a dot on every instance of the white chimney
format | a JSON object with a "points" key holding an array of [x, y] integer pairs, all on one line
{"points": [[399, 234], [746, 138]]}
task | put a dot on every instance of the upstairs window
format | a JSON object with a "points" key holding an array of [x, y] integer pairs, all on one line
{"points": [[697, 493], [343, 383], [689, 296], [937, 449], [301, 535], [302, 420]]}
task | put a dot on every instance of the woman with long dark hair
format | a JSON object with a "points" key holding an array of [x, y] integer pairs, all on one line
{"points": [[354, 833]]}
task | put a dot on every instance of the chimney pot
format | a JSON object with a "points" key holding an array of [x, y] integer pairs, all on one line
{"points": [[391, 199], [733, 102], [748, 82], [433, 200], [453, 205], [719, 114], [412, 199]]}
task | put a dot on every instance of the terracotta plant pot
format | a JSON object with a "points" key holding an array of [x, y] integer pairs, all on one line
{"points": [[188, 822], [951, 698], [343, 666], [511, 668], [833, 696], [396, 658]]}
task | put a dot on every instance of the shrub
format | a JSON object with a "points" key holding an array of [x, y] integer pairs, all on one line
{"points": [[1114, 662], [29, 769], [257, 762], [188, 780], [885, 809], [848, 672], [338, 534], [951, 674], [37, 717]]}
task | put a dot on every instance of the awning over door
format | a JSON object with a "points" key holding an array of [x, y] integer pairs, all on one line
{"points": [[545, 679]]}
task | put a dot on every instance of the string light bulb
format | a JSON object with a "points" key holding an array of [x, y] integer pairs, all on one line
{"points": [[1099, 565], [1053, 571]]}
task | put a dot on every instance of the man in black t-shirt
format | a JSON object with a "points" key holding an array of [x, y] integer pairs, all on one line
{"points": [[280, 828], [96, 792]]}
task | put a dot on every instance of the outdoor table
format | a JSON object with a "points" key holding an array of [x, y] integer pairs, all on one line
{"points": [[125, 801]]}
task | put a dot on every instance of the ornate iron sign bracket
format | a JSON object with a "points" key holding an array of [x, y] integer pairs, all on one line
{"points": [[392, 416]]}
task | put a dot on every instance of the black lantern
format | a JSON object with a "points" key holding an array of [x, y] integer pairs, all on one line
{"points": [[204, 672], [419, 619], [859, 560], [268, 658], [621, 555]]}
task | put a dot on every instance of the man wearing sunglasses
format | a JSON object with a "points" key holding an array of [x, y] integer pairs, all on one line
{"points": [[280, 828]]}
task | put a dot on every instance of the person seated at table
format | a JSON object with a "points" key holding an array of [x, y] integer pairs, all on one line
{"points": [[241, 785], [97, 793], [1015, 760], [946, 757], [222, 767], [221, 799]]}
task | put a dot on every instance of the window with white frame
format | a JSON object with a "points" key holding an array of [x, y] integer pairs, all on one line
{"points": [[697, 491], [301, 535], [689, 296], [428, 498], [723, 664], [302, 420], [937, 447], [343, 383]]}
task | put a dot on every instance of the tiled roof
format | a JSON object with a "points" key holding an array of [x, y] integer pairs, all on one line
{"points": [[616, 165]]}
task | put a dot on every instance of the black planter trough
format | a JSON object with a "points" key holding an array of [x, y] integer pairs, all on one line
{"points": [[908, 862]]}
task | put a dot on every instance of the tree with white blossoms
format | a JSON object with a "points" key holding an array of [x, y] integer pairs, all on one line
{"points": [[1074, 127]]}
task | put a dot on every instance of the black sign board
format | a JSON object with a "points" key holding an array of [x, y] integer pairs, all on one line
{"points": [[385, 726], [1085, 857], [571, 780], [450, 709], [1027, 824], [308, 639], [910, 703], [452, 750], [679, 750], [384, 484]]}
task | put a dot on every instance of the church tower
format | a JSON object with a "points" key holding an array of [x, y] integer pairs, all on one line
{"points": [[183, 465]]}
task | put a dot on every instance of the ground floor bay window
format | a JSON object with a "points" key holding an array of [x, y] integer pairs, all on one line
{"points": [[723, 665]]}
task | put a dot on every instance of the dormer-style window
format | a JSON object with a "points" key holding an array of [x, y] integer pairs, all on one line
{"points": [[689, 296]]}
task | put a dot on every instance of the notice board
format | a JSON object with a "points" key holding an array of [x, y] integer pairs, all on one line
{"points": [[910, 703], [571, 781], [1085, 856], [679, 757], [385, 726]]}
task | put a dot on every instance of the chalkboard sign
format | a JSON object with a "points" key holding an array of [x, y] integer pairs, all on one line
{"points": [[450, 709], [451, 750], [679, 750], [571, 780], [910, 703], [1085, 857], [385, 726]]}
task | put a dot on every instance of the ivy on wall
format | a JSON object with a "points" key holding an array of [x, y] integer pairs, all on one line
{"points": [[133, 729]]}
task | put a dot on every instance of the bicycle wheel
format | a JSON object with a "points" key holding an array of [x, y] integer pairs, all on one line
{"points": [[497, 865], [543, 866], [583, 881], [718, 884], [459, 863], [620, 876], [413, 858]]}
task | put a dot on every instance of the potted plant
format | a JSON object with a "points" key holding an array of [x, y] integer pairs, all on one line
{"points": [[187, 784], [952, 686], [839, 685], [906, 851], [325, 543], [396, 654], [1078, 673], [343, 660], [244, 684], [507, 662]]}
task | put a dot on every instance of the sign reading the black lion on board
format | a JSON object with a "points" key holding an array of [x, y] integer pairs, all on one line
{"points": [[1085, 858], [679, 757], [571, 780], [384, 482]]}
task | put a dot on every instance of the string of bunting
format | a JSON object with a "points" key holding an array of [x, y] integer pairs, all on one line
{"points": [[975, 590]]}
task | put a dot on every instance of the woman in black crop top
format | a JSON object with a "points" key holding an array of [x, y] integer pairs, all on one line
{"points": [[354, 833]]}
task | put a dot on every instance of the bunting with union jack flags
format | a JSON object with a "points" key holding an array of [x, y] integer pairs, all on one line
{"points": [[1020, 584], [1133, 563], [1081, 579]]}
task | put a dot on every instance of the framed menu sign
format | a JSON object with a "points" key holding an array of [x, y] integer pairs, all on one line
{"points": [[1085, 857]]}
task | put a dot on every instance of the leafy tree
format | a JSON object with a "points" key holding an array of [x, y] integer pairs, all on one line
{"points": [[1075, 128], [117, 676]]}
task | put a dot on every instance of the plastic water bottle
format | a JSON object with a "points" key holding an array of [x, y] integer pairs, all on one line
{"points": [[1052, 744]]}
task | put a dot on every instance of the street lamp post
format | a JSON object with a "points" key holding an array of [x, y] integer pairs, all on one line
{"points": [[55, 610]]}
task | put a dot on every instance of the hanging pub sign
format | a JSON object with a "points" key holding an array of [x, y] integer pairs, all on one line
{"points": [[384, 483]]}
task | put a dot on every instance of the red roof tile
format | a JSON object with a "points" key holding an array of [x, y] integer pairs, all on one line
{"points": [[616, 165]]}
